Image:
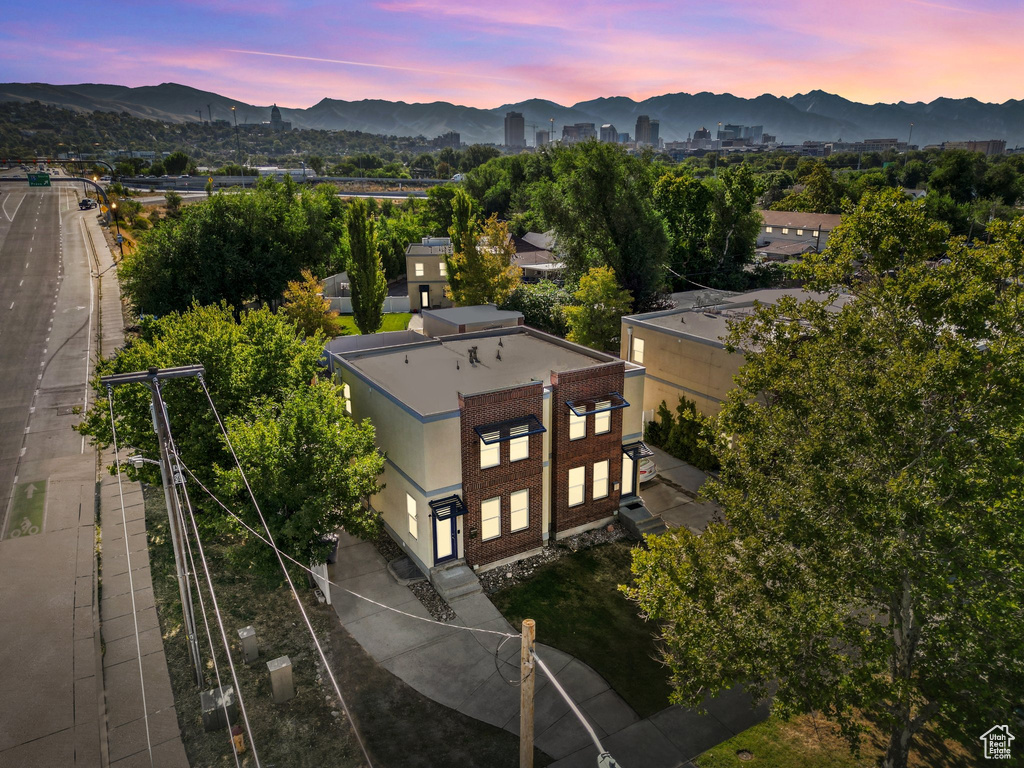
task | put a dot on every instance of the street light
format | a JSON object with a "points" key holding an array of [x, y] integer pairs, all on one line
{"points": [[120, 246]]}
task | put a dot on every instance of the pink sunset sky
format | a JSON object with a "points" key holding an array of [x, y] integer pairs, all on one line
{"points": [[484, 54]]}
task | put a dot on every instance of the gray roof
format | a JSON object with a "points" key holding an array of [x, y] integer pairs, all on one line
{"points": [[429, 376], [704, 297], [711, 324], [355, 343], [481, 313], [544, 242], [800, 220]]}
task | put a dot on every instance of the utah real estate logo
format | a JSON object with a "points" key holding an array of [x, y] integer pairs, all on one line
{"points": [[997, 742]]}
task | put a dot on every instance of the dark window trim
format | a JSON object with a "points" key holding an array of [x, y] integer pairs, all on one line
{"points": [[447, 507], [637, 450], [504, 429], [617, 402]]}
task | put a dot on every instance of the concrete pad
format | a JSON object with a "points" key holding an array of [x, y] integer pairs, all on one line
{"points": [[643, 738], [567, 736], [580, 681], [474, 610], [554, 659], [687, 476], [659, 497], [664, 460], [170, 754], [448, 671], [124, 626], [119, 584], [123, 678], [495, 701], [130, 738], [609, 711], [693, 516], [376, 586], [86, 701], [735, 709], [356, 560], [87, 743], [121, 605], [385, 635], [548, 708], [44, 752], [690, 732], [85, 657]]}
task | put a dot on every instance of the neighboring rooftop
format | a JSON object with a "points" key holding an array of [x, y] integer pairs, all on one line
{"points": [[480, 313], [359, 342], [430, 246], [711, 324], [429, 376], [785, 248], [703, 297], [800, 220]]}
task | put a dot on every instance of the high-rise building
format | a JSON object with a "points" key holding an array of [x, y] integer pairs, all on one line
{"points": [[515, 129], [585, 131], [609, 134], [451, 139], [543, 137], [643, 129], [655, 130], [624, 138], [570, 133]]}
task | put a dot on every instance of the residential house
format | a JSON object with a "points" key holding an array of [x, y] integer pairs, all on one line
{"points": [[496, 442], [483, 317], [683, 350], [535, 255], [784, 227], [427, 273]]}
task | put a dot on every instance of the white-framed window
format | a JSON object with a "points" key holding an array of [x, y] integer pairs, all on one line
{"points": [[814, 233], [638, 350], [519, 447], [490, 455], [601, 479], [799, 231], [577, 481], [768, 230], [442, 267], [418, 267], [346, 392], [519, 508], [603, 418], [577, 426], [490, 518], [785, 230], [410, 508]]}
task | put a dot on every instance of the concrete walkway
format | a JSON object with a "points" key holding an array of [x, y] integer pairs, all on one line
{"points": [[470, 672], [675, 494]]}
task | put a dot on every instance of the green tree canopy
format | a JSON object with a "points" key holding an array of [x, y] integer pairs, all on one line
{"points": [[480, 268], [305, 305], [872, 561], [595, 320], [175, 163], [365, 271]]}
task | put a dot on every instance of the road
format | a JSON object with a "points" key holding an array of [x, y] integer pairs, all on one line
{"points": [[48, 639]]}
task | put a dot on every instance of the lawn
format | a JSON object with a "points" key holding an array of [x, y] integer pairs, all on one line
{"points": [[811, 742], [578, 609], [395, 321]]}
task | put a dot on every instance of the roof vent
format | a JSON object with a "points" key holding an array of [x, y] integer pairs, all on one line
{"points": [[499, 354], [500, 344], [473, 357], [457, 365]]}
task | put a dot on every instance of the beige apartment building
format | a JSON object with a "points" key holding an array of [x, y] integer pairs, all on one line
{"points": [[427, 273]]}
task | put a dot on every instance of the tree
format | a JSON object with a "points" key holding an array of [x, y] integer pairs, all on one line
{"points": [[480, 268], [316, 162], [175, 163], [959, 174], [172, 201], [305, 305], [821, 193], [600, 205], [365, 272], [596, 318], [259, 370], [872, 558], [542, 304]]}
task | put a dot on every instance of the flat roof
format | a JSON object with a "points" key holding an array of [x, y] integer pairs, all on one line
{"points": [[439, 369], [801, 220], [480, 313], [357, 342], [710, 324]]}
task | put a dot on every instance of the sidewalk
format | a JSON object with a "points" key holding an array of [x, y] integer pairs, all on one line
{"points": [[469, 672], [125, 718], [674, 494]]}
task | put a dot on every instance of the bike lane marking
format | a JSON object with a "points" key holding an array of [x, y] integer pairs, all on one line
{"points": [[28, 510]]}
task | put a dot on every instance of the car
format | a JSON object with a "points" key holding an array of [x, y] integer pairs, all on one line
{"points": [[647, 470], [86, 204], [104, 178], [184, 176]]}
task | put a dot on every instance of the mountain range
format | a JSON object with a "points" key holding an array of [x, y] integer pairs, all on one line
{"points": [[816, 115]]}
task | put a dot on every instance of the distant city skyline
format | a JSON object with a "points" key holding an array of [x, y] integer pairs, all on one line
{"points": [[484, 55]]}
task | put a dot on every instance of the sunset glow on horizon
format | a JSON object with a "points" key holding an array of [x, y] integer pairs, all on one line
{"points": [[296, 53]]}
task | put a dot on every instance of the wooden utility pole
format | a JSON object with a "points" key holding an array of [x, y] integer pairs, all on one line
{"points": [[527, 669]]}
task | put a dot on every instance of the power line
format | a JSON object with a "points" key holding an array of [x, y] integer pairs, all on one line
{"points": [[131, 580], [309, 570], [206, 570], [284, 569], [213, 654]]}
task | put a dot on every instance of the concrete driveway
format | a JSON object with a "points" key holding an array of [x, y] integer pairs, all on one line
{"points": [[675, 494]]}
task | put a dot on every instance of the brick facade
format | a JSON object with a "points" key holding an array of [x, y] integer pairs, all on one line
{"points": [[504, 479], [584, 385]]}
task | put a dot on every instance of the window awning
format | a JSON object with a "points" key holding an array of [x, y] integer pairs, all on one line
{"points": [[586, 407], [637, 450], [504, 429], [447, 507]]}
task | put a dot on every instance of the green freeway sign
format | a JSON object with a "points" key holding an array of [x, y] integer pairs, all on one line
{"points": [[39, 179]]}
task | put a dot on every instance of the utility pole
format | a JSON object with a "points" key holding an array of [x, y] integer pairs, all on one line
{"points": [[527, 677], [170, 474], [238, 145], [209, 114]]}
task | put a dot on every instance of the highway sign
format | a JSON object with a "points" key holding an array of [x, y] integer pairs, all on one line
{"points": [[39, 179]]}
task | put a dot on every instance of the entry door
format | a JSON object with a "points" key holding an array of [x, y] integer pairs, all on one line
{"points": [[628, 475], [445, 541], [424, 297]]}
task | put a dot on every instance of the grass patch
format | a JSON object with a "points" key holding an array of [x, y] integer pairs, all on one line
{"points": [[579, 610], [811, 742], [393, 321]]}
